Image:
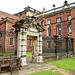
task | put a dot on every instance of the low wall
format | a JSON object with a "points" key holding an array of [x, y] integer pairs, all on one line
{"points": [[52, 56]]}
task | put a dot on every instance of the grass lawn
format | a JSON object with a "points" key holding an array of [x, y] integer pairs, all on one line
{"points": [[68, 64], [29, 54], [46, 72], [5, 53]]}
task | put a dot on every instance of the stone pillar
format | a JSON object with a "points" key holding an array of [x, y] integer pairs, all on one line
{"points": [[23, 48], [72, 44], [19, 38], [21, 45], [39, 49], [67, 45], [56, 44]]}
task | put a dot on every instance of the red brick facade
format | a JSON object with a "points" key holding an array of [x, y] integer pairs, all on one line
{"points": [[63, 14]]}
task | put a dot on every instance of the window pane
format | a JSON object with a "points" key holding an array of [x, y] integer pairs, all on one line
{"points": [[11, 31], [0, 39], [58, 20], [30, 43], [48, 21], [70, 30], [49, 32], [58, 30], [27, 17], [11, 41], [69, 17]]}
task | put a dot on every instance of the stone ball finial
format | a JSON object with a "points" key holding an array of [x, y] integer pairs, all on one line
{"points": [[66, 2], [54, 5], [43, 10]]}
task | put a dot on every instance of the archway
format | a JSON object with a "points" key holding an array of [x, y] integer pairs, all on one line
{"points": [[29, 29]]}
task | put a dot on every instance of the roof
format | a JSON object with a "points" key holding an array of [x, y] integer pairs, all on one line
{"points": [[4, 15], [57, 10], [28, 8]]}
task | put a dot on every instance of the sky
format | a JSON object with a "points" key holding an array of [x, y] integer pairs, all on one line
{"points": [[15, 6]]}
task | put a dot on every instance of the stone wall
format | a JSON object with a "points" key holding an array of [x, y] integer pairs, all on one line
{"points": [[52, 56]]}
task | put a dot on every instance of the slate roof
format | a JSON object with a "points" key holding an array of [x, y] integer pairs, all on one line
{"points": [[4, 15]]}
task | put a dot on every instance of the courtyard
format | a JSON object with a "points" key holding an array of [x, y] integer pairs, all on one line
{"points": [[34, 42], [58, 67]]}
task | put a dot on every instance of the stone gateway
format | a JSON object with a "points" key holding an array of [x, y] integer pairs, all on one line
{"points": [[34, 30]]}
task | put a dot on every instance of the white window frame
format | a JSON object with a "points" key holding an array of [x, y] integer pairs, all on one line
{"points": [[59, 20], [69, 17], [58, 30], [48, 32], [11, 31], [48, 21], [11, 41], [69, 29]]}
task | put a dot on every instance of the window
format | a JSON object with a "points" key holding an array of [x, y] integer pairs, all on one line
{"points": [[49, 32], [27, 17], [11, 31], [0, 40], [0, 37], [48, 21], [69, 17], [42, 22], [59, 30], [49, 44], [59, 20], [30, 43], [11, 41], [69, 29]]}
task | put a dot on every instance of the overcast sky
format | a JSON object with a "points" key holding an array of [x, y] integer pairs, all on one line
{"points": [[15, 6]]}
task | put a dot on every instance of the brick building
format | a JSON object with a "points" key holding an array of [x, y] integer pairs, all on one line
{"points": [[57, 21], [6, 22], [7, 32]]}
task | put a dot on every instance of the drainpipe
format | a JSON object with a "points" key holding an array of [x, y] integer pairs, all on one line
{"points": [[4, 38]]}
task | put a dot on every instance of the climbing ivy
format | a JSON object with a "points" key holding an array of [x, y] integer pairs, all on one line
{"points": [[21, 21]]}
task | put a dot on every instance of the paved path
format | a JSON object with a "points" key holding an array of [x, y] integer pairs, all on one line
{"points": [[33, 67]]}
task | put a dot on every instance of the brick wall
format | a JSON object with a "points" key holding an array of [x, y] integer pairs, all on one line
{"points": [[73, 24]]}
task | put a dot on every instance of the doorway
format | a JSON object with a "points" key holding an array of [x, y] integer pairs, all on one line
{"points": [[32, 47]]}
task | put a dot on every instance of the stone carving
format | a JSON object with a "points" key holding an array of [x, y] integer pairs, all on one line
{"points": [[32, 29]]}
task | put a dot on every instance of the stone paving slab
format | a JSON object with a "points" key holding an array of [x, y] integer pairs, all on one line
{"points": [[31, 68], [34, 67]]}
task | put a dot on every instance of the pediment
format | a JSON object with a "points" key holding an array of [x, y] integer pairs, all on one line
{"points": [[33, 27], [32, 30], [29, 24]]}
